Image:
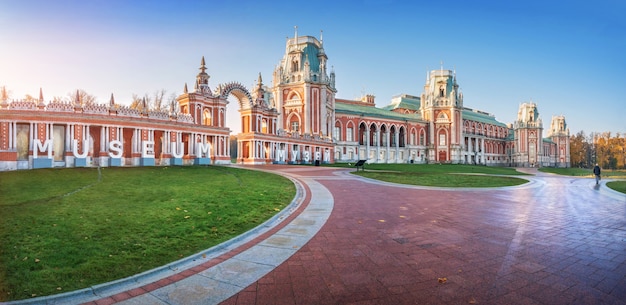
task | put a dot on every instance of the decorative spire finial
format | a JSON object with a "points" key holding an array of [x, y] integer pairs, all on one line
{"points": [[5, 95], [77, 100], [296, 34], [185, 90], [40, 94], [322, 37], [112, 101], [202, 65]]}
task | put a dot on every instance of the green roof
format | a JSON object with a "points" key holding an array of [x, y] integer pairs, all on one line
{"points": [[310, 52], [404, 102], [370, 111], [481, 117]]}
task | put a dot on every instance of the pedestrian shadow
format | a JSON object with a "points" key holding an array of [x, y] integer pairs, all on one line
{"points": [[596, 187]]}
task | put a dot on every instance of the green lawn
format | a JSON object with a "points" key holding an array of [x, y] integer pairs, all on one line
{"points": [[66, 229], [443, 175], [619, 186]]}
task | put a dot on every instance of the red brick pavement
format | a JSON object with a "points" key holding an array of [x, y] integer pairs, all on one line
{"points": [[390, 245]]}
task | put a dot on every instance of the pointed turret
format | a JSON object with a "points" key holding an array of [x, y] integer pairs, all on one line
{"points": [[112, 101], [40, 103], [185, 90], [260, 81], [4, 98], [202, 79], [77, 99]]}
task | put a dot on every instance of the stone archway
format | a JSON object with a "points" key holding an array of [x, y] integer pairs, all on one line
{"points": [[238, 91]]}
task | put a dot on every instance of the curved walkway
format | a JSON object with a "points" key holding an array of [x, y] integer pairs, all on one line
{"points": [[555, 240]]}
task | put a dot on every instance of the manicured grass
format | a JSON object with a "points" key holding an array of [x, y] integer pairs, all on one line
{"points": [[619, 186], [443, 175], [66, 229]]}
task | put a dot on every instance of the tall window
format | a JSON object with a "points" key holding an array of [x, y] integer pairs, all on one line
{"points": [[349, 136], [295, 126], [336, 133]]}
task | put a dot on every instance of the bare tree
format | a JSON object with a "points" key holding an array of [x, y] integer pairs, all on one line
{"points": [[172, 103], [84, 97], [157, 101]]}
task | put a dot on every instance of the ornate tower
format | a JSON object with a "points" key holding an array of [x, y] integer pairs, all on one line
{"points": [[559, 134], [204, 107], [303, 92], [441, 105], [528, 130]]}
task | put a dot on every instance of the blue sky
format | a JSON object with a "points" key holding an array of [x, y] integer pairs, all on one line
{"points": [[566, 56]]}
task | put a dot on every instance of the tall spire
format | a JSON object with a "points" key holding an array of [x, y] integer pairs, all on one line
{"points": [[77, 100], [5, 95], [260, 81], [322, 37], [202, 65], [185, 90], [40, 94], [202, 79], [112, 101], [296, 34]]}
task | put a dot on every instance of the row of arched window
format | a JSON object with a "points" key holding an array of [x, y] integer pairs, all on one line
{"points": [[488, 130], [381, 134]]}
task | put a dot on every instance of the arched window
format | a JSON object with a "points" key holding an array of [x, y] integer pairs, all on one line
{"points": [[337, 131], [206, 117], [362, 134], [401, 137]]}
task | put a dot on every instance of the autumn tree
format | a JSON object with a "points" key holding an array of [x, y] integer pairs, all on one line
{"points": [[579, 155]]}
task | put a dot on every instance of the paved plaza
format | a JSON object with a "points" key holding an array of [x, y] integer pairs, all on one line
{"points": [[555, 240]]}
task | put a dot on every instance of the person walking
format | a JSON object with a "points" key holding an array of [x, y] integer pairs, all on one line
{"points": [[597, 171]]}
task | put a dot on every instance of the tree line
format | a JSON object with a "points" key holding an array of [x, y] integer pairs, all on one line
{"points": [[603, 148], [160, 100]]}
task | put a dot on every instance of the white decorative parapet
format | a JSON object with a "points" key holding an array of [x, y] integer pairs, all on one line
{"points": [[60, 107], [184, 118], [23, 105], [159, 115], [95, 109], [127, 111]]}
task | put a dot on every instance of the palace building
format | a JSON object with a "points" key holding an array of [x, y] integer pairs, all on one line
{"points": [[296, 120]]}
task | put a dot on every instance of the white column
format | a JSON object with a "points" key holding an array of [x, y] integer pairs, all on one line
{"points": [[68, 139], [102, 139], [10, 135], [388, 140], [31, 134], [307, 109], [482, 153], [367, 143]]}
